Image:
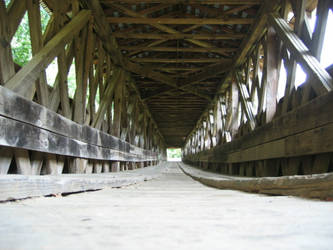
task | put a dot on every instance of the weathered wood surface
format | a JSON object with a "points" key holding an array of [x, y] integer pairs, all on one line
{"points": [[322, 81], [319, 186], [19, 187], [25, 124], [299, 132], [170, 212], [31, 71], [202, 21]]}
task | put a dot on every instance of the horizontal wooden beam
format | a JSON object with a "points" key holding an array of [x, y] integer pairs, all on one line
{"points": [[28, 125], [180, 60], [34, 186], [204, 74], [318, 186], [225, 2], [203, 21], [150, 73], [178, 36], [161, 27], [177, 68], [175, 49]]}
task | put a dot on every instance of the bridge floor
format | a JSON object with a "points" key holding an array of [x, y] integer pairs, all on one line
{"points": [[170, 212]]}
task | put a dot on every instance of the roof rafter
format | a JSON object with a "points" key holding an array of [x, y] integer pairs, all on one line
{"points": [[227, 2], [175, 49], [163, 27], [177, 36], [207, 72], [165, 20]]}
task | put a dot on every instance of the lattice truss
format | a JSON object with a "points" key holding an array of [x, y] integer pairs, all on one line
{"points": [[250, 96]]}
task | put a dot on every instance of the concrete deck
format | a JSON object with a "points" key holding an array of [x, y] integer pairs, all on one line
{"points": [[170, 212]]}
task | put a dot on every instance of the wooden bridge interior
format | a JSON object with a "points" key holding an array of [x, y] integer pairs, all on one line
{"points": [[217, 78]]}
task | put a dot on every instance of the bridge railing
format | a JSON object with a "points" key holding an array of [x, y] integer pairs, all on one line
{"points": [[265, 121], [94, 123]]}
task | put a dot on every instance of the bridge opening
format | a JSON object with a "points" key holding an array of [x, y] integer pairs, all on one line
{"points": [[174, 154]]}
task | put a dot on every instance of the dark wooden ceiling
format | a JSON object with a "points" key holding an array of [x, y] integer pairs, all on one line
{"points": [[191, 42]]}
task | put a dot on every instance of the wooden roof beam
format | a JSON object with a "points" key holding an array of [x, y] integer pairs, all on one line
{"points": [[206, 73], [27, 76], [181, 60], [177, 36], [175, 49], [225, 2], [164, 28], [165, 20], [323, 81], [111, 45], [257, 30]]}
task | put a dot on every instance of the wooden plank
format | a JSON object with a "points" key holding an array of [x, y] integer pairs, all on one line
{"points": [[205, 73], [244, 97], [175, 49], [80, 44], [181, 60], [55, 96], [305, 126], [150, 73], [177, 36], [226, 2], [5, 159], [322, 80], [20, 187], [22, 160], [256, 32], [272, 73], [116, 79], [36, 162], [35, 28], [37, 117], [136, 20], [53, 167], [131, 83], [16, 11], [7, 69], [30, 72], [41, 140], [308, 186], [320, 28], [161, 27], [111, 45]]}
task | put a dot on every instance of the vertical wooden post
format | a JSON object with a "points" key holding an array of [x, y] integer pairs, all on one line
{"points": [[272, 72]]}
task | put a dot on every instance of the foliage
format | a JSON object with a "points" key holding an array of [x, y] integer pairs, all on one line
{"points": [[174, 153], [21, 45], [22, 52]]}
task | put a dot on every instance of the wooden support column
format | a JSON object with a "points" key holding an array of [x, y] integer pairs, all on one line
{"points": [[6, 63], [106, 99], [118, 109], [271, 65], [244, 97], [36, 45], [7, 71], [322, 81], [233, 112]]}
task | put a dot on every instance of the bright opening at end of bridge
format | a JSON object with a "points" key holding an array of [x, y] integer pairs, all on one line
{"points": [[174, 154]]}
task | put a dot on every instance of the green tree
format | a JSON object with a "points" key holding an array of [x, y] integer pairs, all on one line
{"points": [[21, 44]]}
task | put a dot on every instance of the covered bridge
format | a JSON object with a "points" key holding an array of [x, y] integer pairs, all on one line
{"points": [[243, 87]]}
